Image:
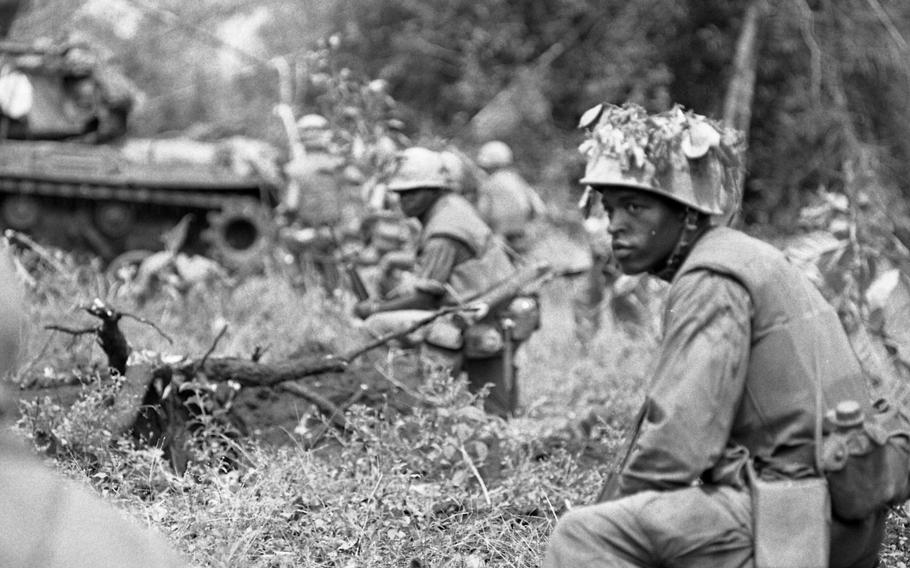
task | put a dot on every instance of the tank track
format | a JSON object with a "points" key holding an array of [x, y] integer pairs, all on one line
{"points": [[213, 199]]}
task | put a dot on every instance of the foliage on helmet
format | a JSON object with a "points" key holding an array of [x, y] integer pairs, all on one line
{"points": [[679, 154]]}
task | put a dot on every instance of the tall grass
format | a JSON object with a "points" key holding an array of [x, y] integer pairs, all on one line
{"points": [[443, 485]]}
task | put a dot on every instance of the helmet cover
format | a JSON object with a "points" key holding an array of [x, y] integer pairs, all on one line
{"points": [[678, 154]]}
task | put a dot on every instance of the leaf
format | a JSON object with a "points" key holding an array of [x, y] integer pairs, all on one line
{"points": [[590, 116]]}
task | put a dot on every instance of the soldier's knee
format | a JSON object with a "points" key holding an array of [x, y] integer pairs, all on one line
{"points": [[571, 527]]}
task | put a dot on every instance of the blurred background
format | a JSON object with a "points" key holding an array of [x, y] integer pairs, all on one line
{"points": [[819, 85]]}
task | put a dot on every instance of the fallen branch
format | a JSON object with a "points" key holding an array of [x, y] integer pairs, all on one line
{"points": [[70, 330], [255, 374]]}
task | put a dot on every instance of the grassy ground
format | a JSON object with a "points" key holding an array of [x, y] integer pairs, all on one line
{"points": [[442, 486]]}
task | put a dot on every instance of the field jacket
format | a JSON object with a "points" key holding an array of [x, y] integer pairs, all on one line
{"points": [[748, 340]]}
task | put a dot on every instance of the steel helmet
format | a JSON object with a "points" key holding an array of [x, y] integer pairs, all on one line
{"points": [[312, 122], [495, 154], [680, 155], [419, 167]]}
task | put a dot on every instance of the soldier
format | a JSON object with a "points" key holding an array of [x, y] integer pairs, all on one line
{"points": [[46, 520], [457, 258], [317, 202], [750, 357], [315, 198], [505, 200]]}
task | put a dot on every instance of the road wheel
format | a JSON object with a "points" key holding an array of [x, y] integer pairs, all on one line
{"points": [[240, 234]]}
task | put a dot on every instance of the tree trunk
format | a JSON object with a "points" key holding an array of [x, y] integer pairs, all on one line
{"points": [[738, 100]]}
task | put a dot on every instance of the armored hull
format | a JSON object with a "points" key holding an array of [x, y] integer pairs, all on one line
{"points": [[104, 200]]}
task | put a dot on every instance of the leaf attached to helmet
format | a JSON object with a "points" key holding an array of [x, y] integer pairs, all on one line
{"points": [[679, 154]]}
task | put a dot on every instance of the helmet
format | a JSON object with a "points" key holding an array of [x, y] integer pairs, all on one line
{"points": [[314, 131], [681, 156], [312, 122], [494, 154], [419, 167]]}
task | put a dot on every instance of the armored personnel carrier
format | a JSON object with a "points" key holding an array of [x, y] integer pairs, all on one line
{"points": [[71, 177]]}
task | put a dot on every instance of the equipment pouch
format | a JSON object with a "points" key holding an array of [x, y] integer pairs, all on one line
{"points": [[445, 333], [482, 340], [524, 311], [791, 522], [868, 465]]}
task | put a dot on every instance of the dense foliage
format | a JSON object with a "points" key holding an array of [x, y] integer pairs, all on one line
{"points": [[829, 106]]}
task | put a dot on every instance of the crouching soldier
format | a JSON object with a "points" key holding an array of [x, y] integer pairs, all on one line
{"points": [[457, 258], [751, 358]]}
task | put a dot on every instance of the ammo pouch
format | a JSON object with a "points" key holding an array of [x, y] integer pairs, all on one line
{"points": [[445, 332], [478, 340], [482, 340], [868, 463], [791, 522]]}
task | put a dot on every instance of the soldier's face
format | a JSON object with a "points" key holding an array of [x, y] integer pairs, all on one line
{"points": [[645, 227], [415, 202]]}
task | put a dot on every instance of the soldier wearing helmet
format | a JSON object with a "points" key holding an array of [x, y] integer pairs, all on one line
{"points": [[751, 358], [316, 197], [457, 258], [505, 199]]}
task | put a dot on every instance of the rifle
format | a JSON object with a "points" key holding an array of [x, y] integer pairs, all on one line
{"points": [[473, 309], [610, 489]]}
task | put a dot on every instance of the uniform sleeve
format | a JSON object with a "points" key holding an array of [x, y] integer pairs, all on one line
{"points": [[697, 384], [436, 262]]}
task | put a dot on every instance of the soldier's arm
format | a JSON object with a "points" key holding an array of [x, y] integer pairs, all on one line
{"points": [[697, 384], [435, 264]]}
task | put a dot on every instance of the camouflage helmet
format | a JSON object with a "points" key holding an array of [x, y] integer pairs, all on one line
{"points": [[419, 167], [495, 154], [678, 154]]}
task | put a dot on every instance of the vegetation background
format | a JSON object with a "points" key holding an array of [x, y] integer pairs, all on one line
{"points": [[819, 85]]}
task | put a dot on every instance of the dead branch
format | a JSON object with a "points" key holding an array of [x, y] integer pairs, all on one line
{"points": [[326, 406], [321, 431], [150, 324], [109, 336], [70, 330], [218, 337]]}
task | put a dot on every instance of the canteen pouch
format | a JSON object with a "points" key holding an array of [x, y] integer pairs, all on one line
{"points": [[791, 522], [524, 311], [445, 333], [868, 467]]}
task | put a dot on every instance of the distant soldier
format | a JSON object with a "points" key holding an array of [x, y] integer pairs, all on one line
{"points": [[458, 257], [506, 201], [315, 196], [317, 204], [45, 520]]}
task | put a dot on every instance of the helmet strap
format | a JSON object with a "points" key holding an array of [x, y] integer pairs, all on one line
{"points": [[693, 226]]}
